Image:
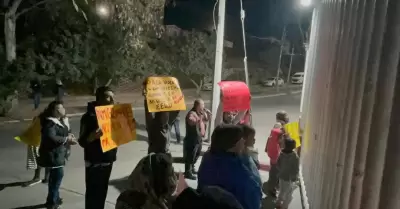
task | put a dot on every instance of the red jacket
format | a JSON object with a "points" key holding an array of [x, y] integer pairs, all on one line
{"points": [[272, 148]]}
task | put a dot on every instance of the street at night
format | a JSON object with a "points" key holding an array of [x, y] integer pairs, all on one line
{"points": [[13, 157]]}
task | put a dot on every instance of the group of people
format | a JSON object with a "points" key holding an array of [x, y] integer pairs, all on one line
{"points": [[228, 175], [36, 90], [55, 148]]}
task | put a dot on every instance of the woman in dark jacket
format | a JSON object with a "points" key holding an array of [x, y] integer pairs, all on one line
{"points": [[56, 137]]}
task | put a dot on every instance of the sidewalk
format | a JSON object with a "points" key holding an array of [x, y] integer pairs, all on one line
{"points": [[77, 104]]}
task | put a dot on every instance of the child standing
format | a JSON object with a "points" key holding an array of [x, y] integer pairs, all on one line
{"points": [[273, 149], [288, 173], [31, 164], [249, 134]]}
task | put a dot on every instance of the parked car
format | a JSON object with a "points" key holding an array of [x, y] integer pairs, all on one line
{"points": [[207, 87], [273, 81], [297, 78]]}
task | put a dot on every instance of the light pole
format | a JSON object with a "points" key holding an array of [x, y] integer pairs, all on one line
{"points": [[219, 50], [280, 57], [290, 66]]}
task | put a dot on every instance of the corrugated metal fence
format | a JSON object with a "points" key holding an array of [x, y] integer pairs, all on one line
{"points": [[351, 107]]}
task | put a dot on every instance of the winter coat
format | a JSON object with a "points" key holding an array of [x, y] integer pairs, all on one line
{"points": [[53, 146], [227, 171]]}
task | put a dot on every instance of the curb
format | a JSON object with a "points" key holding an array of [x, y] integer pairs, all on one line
{"points": [[142, 108]]}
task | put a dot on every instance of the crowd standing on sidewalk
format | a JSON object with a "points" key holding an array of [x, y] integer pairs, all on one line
{"points": [[228, 175]]}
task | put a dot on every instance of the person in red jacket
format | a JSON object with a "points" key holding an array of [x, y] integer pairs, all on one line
{"points": [[273, 150]]}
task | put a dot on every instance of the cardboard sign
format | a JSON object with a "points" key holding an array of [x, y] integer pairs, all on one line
{"points": [[32, 135], [164, 94], [235, 95], [294, 132], [116, 123]]}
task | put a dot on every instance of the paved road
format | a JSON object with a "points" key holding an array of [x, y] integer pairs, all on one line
{"points": [[13, 159]]}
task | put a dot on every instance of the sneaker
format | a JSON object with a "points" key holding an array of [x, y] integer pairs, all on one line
{"points": [[31, 183], [190, 176], [59, 203]]}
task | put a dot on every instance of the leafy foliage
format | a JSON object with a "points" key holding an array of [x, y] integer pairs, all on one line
{"points": [[192, 54]]}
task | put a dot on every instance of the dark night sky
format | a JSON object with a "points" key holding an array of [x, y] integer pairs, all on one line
{"points": [[263, 17]]}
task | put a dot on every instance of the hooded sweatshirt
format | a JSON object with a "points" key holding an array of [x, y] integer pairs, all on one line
{"points": [[288, 166], [92, 147]]}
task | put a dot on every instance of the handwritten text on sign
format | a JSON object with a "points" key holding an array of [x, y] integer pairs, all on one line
{"points": [[164, 94], [235, 95], [116, 123]]}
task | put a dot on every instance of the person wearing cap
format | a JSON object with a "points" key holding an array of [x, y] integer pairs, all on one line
{"points": [[223, 166], [98, 163]]}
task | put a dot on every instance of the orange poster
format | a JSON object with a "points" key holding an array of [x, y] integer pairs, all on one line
{"points": [[164, 94], [117, 124]]}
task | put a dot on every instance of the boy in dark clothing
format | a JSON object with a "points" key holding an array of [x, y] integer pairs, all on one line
{"points": [[98, 163], [288, 173]]}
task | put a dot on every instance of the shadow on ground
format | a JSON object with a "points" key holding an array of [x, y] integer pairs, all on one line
{"points": [[13, 184], [32, 207]]}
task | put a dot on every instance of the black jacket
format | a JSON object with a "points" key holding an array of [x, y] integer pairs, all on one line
{"points": [[92, 147], [53, 147]]}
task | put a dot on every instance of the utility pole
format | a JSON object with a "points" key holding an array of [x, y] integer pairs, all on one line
{"points": [[219, 50], [290, 66], [280, 58]]}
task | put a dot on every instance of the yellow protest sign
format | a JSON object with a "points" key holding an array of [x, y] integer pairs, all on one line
{"points": [[164, 94], [32, 135], [294, 132], [116, 123]]}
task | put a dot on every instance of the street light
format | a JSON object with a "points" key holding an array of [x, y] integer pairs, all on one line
{"points": [[305, 3], [102, 10]]}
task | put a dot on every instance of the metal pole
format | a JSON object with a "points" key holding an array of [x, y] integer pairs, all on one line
{"points": [[246, 71], [219, 50], [280, 57], [290, 66]]}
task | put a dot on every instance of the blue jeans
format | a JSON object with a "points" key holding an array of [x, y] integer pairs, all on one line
{"points": [[36, 100], [55, 179], [177, 130]]}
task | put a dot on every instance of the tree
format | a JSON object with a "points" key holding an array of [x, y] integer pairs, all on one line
{"points": [[11, 14], [192, 54]]}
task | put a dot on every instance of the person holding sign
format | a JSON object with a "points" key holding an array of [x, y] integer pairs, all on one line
{"points": [[234, 103], [157, 126], [195, 131], [98, 163], [53, 150]]}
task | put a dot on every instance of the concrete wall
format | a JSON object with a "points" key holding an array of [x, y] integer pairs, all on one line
{"points": [[350, 109]]}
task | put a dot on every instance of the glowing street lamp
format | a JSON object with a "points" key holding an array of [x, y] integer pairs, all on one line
{"points": [[305, 3], [102, 10]]}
